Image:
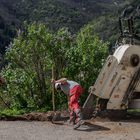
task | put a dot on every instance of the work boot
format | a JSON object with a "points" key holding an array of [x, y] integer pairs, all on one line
{"points": [[78, 124], [79, 120]]}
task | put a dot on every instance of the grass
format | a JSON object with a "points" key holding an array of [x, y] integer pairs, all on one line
{"points": [[133, 111], [11, 112]]}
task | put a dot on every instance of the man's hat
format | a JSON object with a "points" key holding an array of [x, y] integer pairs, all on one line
{"points": [[57, 86]]}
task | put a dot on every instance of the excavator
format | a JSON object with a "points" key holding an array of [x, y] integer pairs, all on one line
{"points": [[117, 87]]}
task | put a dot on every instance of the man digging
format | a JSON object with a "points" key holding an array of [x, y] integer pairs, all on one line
{"points": [[73, 90]]}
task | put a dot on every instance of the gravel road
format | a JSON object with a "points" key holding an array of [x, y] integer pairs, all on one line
{"points": [[97, 130]]}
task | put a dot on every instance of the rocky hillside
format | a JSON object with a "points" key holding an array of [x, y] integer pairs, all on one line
{"points": [[66, 13], [54, 13]]}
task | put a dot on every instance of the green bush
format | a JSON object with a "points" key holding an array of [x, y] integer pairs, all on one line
{"points": [[32, 55]]}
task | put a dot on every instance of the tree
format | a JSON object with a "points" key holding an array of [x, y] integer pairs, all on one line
{"points": [[28, 58], [33, 53], [86, 58]]}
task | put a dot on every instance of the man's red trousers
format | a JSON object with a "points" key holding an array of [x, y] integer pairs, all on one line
{"points": [[75, 92]]}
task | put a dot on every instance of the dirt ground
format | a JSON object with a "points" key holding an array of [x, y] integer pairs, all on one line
{"points": [[98, 129]]}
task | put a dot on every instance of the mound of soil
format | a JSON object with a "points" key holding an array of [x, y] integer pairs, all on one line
{"points": [[37, 116]]}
